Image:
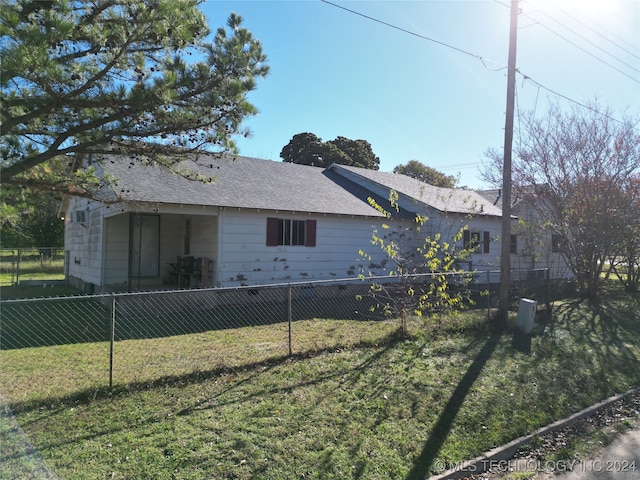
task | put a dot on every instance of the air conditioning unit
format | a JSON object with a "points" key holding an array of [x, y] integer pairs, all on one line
{"points": [[79, 216]]}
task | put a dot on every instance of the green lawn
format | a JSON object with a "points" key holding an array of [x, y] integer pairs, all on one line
{"points": [[355, 400], [31, 270]]}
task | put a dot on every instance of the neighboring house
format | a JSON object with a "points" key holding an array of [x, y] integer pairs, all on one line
{"points": [[533, 244], [259, 222]]}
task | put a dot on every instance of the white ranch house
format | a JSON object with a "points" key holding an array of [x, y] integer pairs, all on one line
{"points": [[259, 222]]}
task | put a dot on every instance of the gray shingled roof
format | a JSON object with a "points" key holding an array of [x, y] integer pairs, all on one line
{"points": [[443, 199], [253, 183], [240, 182]]}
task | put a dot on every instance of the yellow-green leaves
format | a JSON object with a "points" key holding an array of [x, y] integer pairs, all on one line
{"points": [[428, 268]]}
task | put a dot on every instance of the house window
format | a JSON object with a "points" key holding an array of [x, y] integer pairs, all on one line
{"points": [[514, 244], [476, 241], [290, 232], [556, 243], [282, 231]]}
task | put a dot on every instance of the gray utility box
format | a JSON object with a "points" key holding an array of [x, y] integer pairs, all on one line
{"points": [[526, 315]]}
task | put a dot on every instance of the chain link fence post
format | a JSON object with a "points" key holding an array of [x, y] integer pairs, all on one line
{"points": [[488, 297], [18, 268], [14, 280], [548, 291], [290, 316], [112, 336]]}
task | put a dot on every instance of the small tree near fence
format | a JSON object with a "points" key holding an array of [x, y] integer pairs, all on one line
{"points": [[428, 259]]}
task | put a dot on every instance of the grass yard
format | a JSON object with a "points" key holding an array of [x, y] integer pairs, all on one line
{"points": [[355, 401], [31, 271]]}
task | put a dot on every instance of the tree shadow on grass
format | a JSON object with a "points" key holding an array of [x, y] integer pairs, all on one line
{"points": [[252, 370], [607, 328], [255, 368], [423, 463], [592, 346], [611, 321]]}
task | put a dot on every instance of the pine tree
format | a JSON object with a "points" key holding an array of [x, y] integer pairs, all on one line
{"points": [[131, 76]]}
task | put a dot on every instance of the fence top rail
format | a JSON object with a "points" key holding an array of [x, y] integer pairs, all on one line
{"points": [[308, 284], [57, 299], [27, 249]]}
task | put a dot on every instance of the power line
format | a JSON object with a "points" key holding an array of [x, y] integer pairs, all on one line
{"points": [[477, 57], [621, 47], [585, 25], [423, 37], [586, 40], [586, 51], [459, 166], [539, 85]]}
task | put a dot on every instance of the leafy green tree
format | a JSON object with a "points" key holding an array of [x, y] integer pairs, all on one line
{"points": [[29, 218], [132, 76], [426, 174], [10, 225], [427, 267], [359, 152], [309, 149]]}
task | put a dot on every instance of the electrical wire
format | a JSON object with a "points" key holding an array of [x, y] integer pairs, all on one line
{"points": [[423, 37], [478, 57], [585, 25], [586, 51], [587, 40], [539, 85], [458, 166]]}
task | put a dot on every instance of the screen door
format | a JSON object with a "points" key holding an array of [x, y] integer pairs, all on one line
{"points": [[145, 246]]}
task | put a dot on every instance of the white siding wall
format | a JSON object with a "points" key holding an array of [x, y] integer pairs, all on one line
{"points": [[116, 264], [244, 255], [487, 261], [204, 233], [99, 250], [535, 248], [449, 225], [245, 258], [83, 241]]}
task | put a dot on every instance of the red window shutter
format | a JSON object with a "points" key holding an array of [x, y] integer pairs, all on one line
{"points": [[310, 239], [466, 239], [486, 242], [272, 232]]}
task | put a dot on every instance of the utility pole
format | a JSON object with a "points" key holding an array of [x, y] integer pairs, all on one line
{"points": [[505, 252]]}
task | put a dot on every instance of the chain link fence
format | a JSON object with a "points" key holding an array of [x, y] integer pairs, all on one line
{"points": [[21, 265], [98, 341]]}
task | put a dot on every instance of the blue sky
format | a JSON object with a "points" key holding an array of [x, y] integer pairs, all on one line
{"points": [[337, 73]]}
